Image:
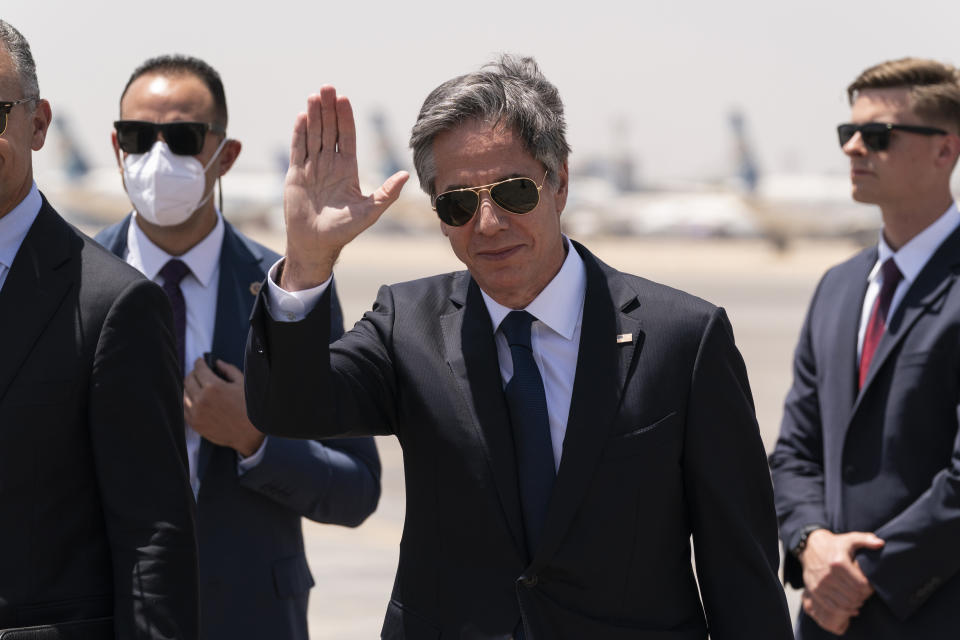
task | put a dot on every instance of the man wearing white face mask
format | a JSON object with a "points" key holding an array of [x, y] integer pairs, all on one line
{"points": [[171, 145]]}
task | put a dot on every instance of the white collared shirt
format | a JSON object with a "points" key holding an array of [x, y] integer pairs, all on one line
{"points": [[199, 287], [555, 336], [14, 228], [910, 259]]}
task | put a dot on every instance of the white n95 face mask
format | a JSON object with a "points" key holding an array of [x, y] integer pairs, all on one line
{"points": [[166, 188]]}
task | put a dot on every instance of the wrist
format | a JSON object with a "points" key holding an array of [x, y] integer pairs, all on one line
{"points": [[803, 540], [250, 446], [297, 275]]}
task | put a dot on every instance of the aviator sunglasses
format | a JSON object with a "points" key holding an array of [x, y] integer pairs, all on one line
{"points": [[876, 135], [183, 138], [516, 195], [5, 108]]}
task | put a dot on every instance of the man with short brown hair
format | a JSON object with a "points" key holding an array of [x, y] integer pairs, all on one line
{"points": [[867, 467]]}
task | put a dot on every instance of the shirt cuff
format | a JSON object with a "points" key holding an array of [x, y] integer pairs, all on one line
{"points": [[291, 306], [245, 464]]}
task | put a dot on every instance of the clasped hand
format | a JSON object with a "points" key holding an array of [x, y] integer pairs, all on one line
{"points": [[323, 206], [835, 587], [215, 408]]}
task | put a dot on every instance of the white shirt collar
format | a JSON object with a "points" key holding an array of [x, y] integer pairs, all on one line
{"points": [[148, 258], [560, 303], [16, 224], [915, 254]]}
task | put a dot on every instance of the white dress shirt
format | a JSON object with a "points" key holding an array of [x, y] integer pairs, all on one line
{"points": [[555, 336], [910, 259], [14, 227], [199, 288]]}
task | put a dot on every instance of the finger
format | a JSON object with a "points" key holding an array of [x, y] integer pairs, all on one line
{"points": [[298, 145], [191, 388], [860, 540], [827, 599], [389, 191], [204, 375], [314, 127], [232, 373], [328, 116], [346, 128], [187, 408]]}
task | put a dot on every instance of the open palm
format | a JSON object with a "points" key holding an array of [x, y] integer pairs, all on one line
{"points": [[323, 205]]}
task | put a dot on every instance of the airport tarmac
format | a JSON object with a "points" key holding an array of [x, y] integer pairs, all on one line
{"points": [[764, 292]]}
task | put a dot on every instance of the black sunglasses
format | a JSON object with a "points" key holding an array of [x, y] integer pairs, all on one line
{"points": [[5, 108], [876, 135], [516, 195], [183, 138]]}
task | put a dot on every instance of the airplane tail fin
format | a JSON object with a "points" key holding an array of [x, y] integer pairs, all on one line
{"points": [[388, 158], [74, 162], [747, 169]]}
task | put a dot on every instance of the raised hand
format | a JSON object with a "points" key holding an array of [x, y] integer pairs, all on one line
{"points": [[322, 202]]}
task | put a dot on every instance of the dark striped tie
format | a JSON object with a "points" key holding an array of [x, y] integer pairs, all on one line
{"points": [[172, 273]]}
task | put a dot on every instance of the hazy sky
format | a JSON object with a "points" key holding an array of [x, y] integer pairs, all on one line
{"points": [[671, 70]]}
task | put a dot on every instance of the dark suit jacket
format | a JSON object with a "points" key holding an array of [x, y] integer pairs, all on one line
{"points": [[886, 459], [661, 442], [254, 578], [96, 508]]}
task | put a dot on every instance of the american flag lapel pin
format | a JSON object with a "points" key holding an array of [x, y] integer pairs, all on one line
{"points": [[623, 338]]}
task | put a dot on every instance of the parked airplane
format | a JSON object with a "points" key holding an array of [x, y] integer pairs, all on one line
{"points": [[94, 196], [747, 203], [605, 196]]}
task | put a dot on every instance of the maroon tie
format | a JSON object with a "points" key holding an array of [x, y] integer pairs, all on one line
{"points": [[878, 317], [172, 273]]}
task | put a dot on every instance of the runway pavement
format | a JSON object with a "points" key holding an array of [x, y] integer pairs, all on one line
{"points": [[764, 292]]}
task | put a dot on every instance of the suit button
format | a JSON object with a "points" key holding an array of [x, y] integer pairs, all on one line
{"points": [[849, 471], [529, 581]]}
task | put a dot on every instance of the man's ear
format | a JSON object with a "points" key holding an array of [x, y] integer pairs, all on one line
{"points": [[116, 150], [42, 117], [228, 155], [563, 182]]}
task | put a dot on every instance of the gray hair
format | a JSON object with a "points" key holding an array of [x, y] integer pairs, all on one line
{"points": [[19, 50], [510, 92]]}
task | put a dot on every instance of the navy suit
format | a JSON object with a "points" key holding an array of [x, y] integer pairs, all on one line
{"points": [[254, 578], [885, 458]]}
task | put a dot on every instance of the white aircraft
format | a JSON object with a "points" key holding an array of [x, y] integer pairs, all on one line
{"points": [[604, 199]]}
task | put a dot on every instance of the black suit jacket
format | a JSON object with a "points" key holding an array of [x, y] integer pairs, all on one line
{"points": [[661, 442], [95, 503], [254, 577], [887, 458]]}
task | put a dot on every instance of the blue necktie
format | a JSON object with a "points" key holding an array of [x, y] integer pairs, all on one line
{"points": [[527, 404], [172, 273]]}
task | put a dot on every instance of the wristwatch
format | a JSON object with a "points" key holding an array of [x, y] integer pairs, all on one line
{"points": [[798, 548]]}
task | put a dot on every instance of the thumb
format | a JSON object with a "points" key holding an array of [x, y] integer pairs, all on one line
{"points": [[863, 540], [230, 372], [389, 191]]}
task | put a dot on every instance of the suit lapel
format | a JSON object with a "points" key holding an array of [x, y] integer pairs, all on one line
{"points": [[923, 296], [472, 356], [843, 356], [43, 271], [604, 366]]}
